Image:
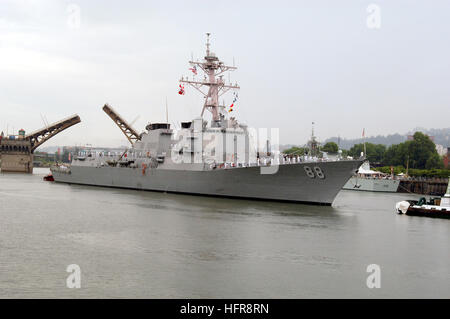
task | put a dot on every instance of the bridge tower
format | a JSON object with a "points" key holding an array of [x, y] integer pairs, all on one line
{"points": [[16, 151]]}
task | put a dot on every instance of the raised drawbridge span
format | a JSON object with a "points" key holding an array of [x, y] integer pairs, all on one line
{"points": [[37, 138], [126, 128], [17, 150]]}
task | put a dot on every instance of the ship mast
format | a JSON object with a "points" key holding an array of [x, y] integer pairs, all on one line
{"points": [[213, 69]]}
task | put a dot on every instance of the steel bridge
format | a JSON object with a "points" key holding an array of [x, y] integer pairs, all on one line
{"points": [[16, 151], [131, 134]]}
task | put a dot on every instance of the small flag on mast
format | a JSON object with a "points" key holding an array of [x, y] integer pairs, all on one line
{"points": [[181, 90], [234, 101], [363, 133], [194, 69]]}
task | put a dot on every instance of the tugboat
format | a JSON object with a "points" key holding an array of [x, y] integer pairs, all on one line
{"points": [[438, 207]]}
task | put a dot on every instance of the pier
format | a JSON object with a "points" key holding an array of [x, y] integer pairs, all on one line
{"points": [[424, 185]]}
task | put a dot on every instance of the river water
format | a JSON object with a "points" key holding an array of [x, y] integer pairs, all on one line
{"points": [[136, 244]]}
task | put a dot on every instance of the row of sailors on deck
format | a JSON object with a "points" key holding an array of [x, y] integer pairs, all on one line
{"points": [[264, 161]]}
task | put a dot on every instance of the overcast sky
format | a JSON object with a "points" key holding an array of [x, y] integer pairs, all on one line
{"points": [[299, 61]]}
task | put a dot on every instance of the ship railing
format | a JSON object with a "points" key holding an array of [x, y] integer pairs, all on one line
{"points": [[261, 162]]}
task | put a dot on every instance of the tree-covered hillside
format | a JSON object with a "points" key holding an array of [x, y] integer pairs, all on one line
{"points": [[440, 136]]}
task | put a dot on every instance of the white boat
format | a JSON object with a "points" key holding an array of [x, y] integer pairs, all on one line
{"points": [[434, 207], [372, 181]]}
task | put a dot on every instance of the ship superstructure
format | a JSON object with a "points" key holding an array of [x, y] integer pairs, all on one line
{"points": [[218, 158]]}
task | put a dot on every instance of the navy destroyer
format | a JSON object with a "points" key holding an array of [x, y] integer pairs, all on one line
{"points": [[220, 157]]}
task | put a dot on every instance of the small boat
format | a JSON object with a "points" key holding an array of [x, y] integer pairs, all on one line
{"points": [[438, 207], [372, 181], [49, 178]]}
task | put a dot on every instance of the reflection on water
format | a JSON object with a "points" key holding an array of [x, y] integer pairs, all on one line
{"points": [[145, 244]]}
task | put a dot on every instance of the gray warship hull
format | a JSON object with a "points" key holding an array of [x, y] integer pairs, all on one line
{"points": [[290, 183], [372, 185]]}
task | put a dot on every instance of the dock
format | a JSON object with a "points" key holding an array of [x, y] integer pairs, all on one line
{"points": [[424, 185]]}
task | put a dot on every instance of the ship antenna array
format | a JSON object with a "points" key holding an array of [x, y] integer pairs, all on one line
{"points": [[213, 70], [207, 43]]}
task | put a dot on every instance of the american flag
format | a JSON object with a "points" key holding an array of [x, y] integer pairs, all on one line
{"points": [[194, 69]]}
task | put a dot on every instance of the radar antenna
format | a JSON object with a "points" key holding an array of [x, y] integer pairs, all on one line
{"points": [[213, 69]]}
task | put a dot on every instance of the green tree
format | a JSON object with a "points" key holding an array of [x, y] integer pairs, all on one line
{"points": [[435, 161], [330, 147], [295, 151], [374, 152], [421, 149], [345, 153], [397, 154], [420, 153]]}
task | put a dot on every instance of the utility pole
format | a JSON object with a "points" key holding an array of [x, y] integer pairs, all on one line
{"points": [[167, 112], [407, 164]]}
